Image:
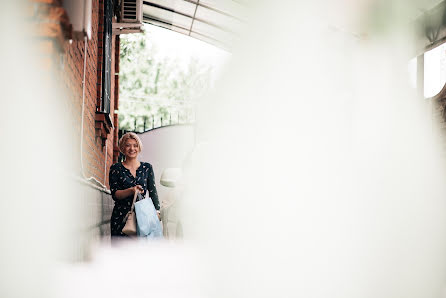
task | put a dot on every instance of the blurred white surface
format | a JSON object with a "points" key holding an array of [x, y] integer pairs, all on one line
{"points": [[135, 269], [40, 217], [318, 173]]}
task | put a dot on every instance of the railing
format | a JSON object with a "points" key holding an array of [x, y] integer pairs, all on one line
{"points": [[145, 123]]}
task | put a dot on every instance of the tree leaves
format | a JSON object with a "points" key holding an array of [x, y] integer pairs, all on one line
{"points": [[154, 86]]}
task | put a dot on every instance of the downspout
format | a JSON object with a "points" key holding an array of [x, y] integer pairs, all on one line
{"points": [[89, 179], [105, 163]]}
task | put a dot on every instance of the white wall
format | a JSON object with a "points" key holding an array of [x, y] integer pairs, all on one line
{"points": [[166, 147]]}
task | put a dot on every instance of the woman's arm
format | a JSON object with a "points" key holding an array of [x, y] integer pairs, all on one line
{"points": [[152, 188], [125, 193], [119, 194]]}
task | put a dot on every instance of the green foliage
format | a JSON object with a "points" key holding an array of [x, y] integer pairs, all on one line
{"points": [[154, 86]]}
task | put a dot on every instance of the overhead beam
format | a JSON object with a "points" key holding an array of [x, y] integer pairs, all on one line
{"points": [[192, 17]]}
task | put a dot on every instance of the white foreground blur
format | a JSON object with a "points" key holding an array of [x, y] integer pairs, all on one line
{"points": [[317, 173], [40, 220], [134, 269]]}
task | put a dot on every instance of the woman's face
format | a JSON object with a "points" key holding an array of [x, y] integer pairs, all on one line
{"points": [[131, 148]]}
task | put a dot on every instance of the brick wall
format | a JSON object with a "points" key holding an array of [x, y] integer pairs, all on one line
{"points": [[65, 58]]}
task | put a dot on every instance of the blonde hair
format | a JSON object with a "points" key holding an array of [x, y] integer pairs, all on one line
{"points": [[124, 138]]}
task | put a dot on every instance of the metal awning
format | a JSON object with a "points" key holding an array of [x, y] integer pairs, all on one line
{"points": [[213, 21], [218, 21]]}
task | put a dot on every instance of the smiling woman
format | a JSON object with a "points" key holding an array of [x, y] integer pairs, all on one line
{"points": [[126, 179], [130, 144]]}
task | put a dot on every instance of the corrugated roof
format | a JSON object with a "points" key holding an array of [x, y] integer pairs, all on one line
{"points": [[212, 21]]}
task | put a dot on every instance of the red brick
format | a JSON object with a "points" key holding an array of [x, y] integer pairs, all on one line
{"points": [[51, 27]]}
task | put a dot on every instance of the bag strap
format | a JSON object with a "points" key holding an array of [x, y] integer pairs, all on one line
{"points": [[134, 200], [131, 208]]}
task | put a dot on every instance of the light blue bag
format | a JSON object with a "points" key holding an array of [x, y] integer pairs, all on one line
{"points": [[147, 222]]}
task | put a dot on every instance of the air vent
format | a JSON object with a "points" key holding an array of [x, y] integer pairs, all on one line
{"points": [[131, 11]]}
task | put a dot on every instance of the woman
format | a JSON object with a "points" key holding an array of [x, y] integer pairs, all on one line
{"points": [[129, 177]]}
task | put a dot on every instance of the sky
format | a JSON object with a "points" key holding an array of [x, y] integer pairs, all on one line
{"points": [[183, 47], [434, 71]]}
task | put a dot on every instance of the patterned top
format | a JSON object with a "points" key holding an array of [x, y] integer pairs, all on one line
{"points": [[120, 178]]}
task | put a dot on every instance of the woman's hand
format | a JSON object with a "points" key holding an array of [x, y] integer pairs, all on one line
{"points": [[137, 188], [128, 192]]}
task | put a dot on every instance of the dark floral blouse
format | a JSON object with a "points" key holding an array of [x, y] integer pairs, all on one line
{"points": [[120, 178]]}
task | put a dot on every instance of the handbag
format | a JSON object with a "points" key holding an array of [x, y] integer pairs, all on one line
{"points": [[130, 219]]}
